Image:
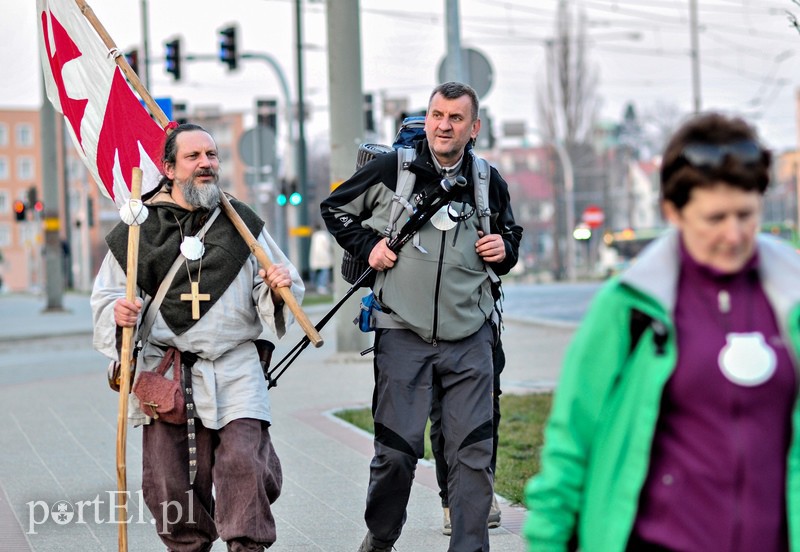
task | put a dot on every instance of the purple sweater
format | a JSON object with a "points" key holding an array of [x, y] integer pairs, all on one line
{"points": [[717, 474]]}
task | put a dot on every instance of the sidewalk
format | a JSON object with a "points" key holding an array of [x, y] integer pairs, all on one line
{"points": [[58, 443]]}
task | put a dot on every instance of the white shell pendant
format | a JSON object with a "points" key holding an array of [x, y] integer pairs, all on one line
{"points": [[192, 248], [133, 212], [441, 219], [747, 359]]}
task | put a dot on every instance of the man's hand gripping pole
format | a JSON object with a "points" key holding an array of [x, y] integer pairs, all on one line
{"points": [[428, 205]]}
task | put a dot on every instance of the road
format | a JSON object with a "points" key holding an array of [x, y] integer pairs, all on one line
{"points": [[565, 303]]}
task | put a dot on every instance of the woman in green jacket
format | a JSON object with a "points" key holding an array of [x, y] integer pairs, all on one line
{"points": [[675, 424]]}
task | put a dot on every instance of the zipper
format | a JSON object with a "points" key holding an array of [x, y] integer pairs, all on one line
{"points": [[438, 289]]}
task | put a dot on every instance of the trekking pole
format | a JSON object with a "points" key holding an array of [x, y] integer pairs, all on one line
{"points": [[428, 205]]}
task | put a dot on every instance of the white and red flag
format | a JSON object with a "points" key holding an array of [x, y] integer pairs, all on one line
{"points": [[110, 128]]}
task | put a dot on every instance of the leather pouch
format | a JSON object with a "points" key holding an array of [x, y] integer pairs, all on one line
{"points": [[161, 398]]}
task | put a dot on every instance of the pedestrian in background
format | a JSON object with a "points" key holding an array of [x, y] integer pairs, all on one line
{"points": [[320, 258], [675, 422], [437, 298]]}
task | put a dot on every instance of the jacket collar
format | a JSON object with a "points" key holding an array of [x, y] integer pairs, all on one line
{"points": [[655, 273]]}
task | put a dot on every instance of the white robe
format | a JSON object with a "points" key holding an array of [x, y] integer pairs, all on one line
{"points": [[227, 379]]}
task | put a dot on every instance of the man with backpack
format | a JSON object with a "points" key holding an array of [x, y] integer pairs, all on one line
{"points": [[436, 297]]}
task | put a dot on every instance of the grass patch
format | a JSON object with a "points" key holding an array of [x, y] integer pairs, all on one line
{"points": [[521, 427], [311, 298]]}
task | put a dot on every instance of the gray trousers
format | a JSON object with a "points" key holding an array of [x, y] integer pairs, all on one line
{"points": [[238, 461], [405, 370]]}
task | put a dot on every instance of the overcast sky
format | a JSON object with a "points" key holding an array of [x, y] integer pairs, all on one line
{"points": [[750, 54]]}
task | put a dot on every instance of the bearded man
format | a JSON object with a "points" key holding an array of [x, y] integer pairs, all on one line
{"points": [[209, 300]]}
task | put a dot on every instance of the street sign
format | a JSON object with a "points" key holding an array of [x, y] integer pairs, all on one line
{"points": [[480, 70], [257, 147], [593, 216]]}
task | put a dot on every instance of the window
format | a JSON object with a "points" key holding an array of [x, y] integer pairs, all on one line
{"points": [[3, 134], [5, 234], [25, 168], [5, 204], [24, 134], [4, 172]]}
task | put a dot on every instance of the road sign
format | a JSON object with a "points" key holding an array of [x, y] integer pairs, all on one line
{"points": [[593, 216], [480, 70], [257, 147]]}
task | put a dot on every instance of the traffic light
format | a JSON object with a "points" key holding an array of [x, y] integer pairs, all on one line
{"points": [[485, 139], [267, 113], [281, 199], [180, 113], [295, 198], [38, 209], [19, 210], [369, 112], [172, 57], [132, 57], [227, 47]]}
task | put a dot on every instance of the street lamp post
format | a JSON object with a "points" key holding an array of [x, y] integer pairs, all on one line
{"points": [[569, 200]]}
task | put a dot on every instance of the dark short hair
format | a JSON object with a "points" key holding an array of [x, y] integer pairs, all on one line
{"points": [[679, 177], [453, 90], [170, 152]]}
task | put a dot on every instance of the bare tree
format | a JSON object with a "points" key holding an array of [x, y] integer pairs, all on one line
{"points": [[567, 103], [567, 99]]}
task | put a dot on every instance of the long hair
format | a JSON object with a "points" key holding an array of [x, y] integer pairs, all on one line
{"points": [[170, 155]]}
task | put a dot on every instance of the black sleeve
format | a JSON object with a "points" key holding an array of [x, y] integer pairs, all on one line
{"points": [[503, 222], [353, 201]]}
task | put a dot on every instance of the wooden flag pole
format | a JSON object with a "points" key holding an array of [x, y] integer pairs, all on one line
{"points": [[129, 73], [284, 292], [126, 359]]}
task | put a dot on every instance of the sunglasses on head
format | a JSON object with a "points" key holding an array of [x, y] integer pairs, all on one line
{"points": [[701, 155], [712, 156]]}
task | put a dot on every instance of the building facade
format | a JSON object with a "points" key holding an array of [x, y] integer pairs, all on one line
{"points": [[21, 241]]}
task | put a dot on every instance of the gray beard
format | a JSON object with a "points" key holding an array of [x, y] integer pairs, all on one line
{"points": [[205, 196]]}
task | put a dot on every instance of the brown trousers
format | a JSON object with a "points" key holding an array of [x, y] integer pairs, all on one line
{"points": [[238, 461]]}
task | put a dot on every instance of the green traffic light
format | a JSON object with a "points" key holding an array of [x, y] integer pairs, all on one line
{"points": [[281, 200], [295, 198]]}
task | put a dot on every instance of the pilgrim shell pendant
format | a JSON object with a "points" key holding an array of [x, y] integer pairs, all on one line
{"points": [[442, 220], [747, 359], [192, 248]]}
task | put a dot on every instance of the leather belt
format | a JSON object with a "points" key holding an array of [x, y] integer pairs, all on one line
{"points": [[187, 361]]}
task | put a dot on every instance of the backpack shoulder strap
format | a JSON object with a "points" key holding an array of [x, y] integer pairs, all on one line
{"points": [[403, 190], [480, 180], [639, 323]]}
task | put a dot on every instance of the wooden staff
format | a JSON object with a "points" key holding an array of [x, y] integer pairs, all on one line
{"points": [[252, 243], [126, 358]]}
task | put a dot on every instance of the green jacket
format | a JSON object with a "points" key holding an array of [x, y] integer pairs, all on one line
{"points": [[598, 438]]}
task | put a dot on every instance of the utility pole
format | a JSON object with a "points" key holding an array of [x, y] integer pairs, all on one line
{"points": [[302, 184], [345, 97], [146, 44], [695, 54], [54, 267], [456, 69]]}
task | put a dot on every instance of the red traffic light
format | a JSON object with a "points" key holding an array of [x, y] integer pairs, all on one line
{"points": [[19, 209], [38, 206]]}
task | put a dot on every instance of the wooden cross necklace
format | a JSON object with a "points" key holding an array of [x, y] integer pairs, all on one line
{"points": [[193, 248]]}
